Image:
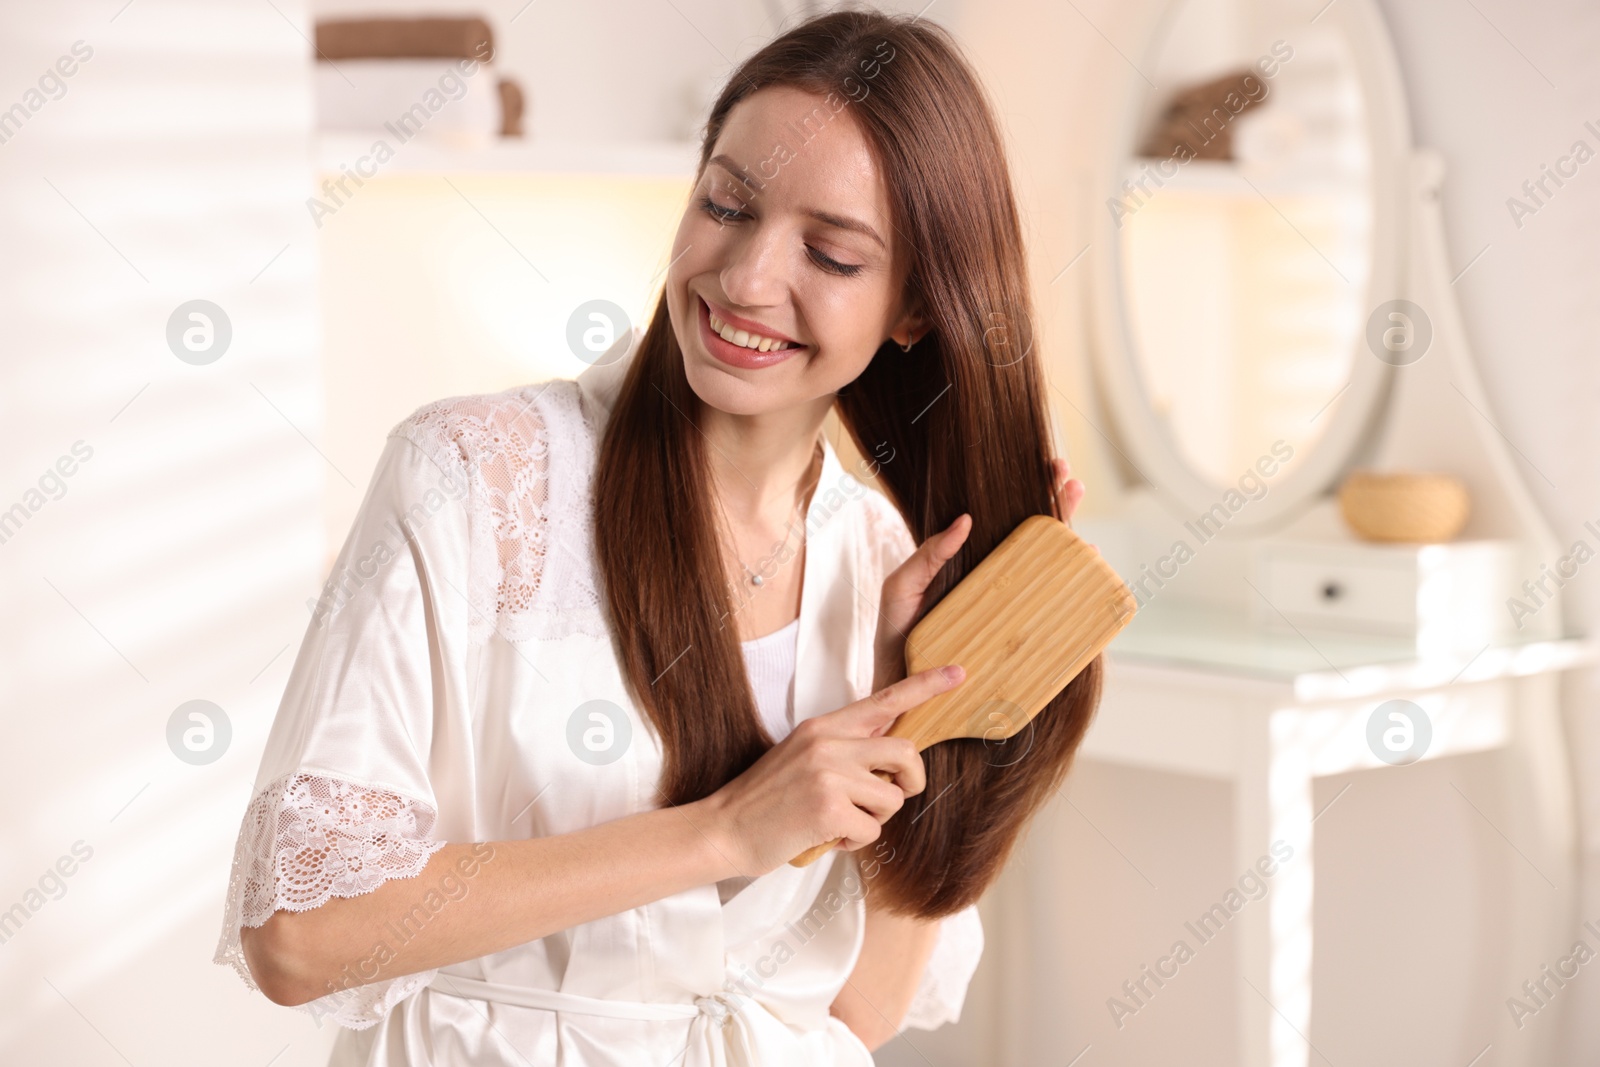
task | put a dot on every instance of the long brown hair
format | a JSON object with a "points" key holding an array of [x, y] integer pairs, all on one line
{"points": [[964, 413]]}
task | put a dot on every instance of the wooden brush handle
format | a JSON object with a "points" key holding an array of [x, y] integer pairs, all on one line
{"points": [[817, 851]]}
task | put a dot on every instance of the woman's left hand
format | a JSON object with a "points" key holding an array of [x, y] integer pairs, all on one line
{"points": [[905, 588], [1069, 491]]}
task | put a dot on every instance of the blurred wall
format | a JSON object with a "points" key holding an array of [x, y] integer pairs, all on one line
{"points": [[171, 527], [433, 287], [1504, 89]]}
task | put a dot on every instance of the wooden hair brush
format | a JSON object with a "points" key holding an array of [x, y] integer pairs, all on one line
{"points": [[1023, 623]]}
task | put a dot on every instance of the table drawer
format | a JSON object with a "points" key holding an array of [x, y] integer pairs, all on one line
{"points": [[1444, 595], [1318, 591]]}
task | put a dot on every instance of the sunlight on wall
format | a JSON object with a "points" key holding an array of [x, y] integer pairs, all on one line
{"points": [[438, 285], [171, 563]]}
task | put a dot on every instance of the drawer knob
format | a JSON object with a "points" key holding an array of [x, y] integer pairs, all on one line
{"points": [[1332, 591]]}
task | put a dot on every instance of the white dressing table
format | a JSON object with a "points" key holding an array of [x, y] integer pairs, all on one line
{"points": [[1194, 691]]}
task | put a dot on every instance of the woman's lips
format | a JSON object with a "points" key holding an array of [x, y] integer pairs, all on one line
{"points": [[737, 355]]}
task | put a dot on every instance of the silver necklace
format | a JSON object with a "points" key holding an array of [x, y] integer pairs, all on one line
{"points": [[754, 578]]}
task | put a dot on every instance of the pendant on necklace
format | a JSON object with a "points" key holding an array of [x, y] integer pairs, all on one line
{"points": [[756, 579]]}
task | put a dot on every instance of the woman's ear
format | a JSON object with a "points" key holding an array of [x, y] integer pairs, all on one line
{"points": [[909, 330]]}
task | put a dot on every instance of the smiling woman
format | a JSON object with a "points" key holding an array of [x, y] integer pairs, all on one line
{"points": [[867, 275], [872, 267], [573, 666]]}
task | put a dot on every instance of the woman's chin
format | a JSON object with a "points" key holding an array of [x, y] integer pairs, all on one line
{"points": [[720, 388]]}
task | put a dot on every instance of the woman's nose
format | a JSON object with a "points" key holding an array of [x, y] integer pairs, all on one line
{"points": [[756, 272]]}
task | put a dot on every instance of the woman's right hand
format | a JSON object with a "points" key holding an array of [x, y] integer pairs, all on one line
{"points": [[817, 785]]}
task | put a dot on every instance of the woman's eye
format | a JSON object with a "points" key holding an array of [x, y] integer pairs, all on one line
{"points": [[833, 266], [718, 212], [822, 259]]}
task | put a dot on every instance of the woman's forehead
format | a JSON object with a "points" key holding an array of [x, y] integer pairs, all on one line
{"points": [[796, 149]]}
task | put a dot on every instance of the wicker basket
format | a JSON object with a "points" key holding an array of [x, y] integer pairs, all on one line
{"points": [[1404, 506]]}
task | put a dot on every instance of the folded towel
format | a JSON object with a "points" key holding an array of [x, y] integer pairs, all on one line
{"points": [[1199, 120], [411, 38]]}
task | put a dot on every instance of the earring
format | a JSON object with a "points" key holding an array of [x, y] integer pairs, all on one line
{"points": [[907, 346]]}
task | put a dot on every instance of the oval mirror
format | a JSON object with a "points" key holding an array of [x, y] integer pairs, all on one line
{"points": [[1252, 212]]}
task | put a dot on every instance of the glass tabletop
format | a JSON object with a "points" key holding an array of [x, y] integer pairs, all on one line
{"points": [[1211, 638]]}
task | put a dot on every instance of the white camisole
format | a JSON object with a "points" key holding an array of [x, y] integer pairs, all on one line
{"points": [[770, 662]]}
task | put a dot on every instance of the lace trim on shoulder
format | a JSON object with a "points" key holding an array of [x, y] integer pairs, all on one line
{"points": [[943, 989], [531, 571], [307, 839]]}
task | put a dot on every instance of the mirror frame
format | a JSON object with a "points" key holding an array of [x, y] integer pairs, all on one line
{"points": [[1144, 436]]}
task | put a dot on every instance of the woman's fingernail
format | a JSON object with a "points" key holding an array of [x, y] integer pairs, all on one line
{"points": [[954, 672]]}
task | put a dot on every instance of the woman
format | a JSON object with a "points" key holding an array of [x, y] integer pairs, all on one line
{"points": [[528, 800]]}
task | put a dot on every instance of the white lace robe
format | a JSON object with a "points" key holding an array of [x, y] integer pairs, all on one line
{"points": [[449, 687]]}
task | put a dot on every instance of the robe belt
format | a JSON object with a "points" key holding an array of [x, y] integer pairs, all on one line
{"points": [[718, 1006], [726, 1028]]}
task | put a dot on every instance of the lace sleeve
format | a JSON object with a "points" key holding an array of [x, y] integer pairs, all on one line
{"points": [[307, 839], [945, 979], [361, 771]]}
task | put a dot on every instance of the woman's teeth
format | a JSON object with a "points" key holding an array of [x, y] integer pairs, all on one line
{"points": [[744, 338]]}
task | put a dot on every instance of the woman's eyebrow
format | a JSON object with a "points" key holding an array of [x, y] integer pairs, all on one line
{"points": [[828, 218], [845, 223], [727, 164]]}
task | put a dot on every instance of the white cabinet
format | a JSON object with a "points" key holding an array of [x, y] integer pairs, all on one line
{"points": [[1193, 691]]}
